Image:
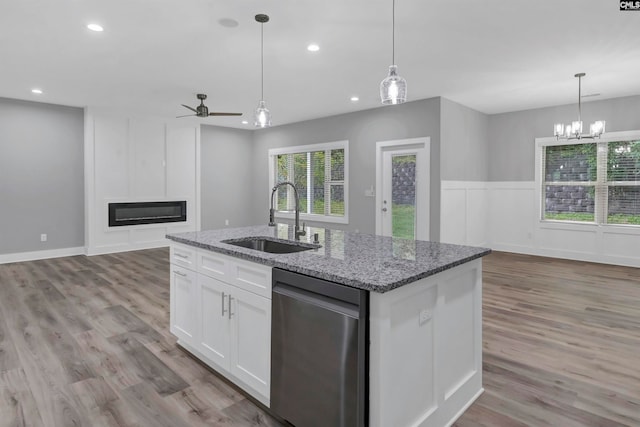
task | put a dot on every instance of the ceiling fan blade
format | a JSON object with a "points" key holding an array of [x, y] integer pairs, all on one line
{"points": [[192, 109], [225, 114], [188, 115]]}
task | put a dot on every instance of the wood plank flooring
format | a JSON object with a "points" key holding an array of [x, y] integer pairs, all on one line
{"points": [[561, 344], [84, 341]]}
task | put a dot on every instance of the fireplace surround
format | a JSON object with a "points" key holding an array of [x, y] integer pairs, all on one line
{"points": [[138, 213]]}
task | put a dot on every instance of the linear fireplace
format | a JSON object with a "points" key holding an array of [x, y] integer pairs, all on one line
{"points": [[137, 213]]}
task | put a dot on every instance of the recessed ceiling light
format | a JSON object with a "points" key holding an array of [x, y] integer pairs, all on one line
{"points": [[95, 27], [313, 47], [228, 22], [244, 122], [37, 91], [355, 99]]}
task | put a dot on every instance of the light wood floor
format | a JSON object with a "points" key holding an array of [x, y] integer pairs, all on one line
{"points": [[86, 342]]}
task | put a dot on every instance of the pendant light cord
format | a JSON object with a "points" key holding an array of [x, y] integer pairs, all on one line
{"points": [[393, 34], [262, 61]]}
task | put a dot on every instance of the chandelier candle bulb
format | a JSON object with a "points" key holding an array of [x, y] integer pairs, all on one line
{"points": [[558, 129]]}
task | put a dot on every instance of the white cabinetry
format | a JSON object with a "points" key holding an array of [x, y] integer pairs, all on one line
{"points": [[183, 295], [425, 360], [221, 312]]}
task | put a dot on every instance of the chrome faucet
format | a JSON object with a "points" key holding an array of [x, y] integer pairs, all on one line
{"points": [[298, 231]]}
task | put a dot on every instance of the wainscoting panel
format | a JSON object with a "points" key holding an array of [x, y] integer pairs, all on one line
{"points": [[464, 213], [133, 159], [576, 241], [505, 216]]}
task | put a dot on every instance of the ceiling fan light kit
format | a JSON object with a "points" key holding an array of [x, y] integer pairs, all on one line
{"points": [[574, 129], [393, 89], [262, 115]]}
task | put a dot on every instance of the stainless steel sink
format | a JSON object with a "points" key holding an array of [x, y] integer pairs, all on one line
{"points": [[271, 246]]}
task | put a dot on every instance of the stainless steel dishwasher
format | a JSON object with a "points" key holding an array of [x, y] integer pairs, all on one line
{"points": [[319, 359]]}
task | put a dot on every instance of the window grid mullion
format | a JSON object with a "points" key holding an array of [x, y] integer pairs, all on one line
{"points": [[327, 182], [602, 188], [309, 184], [290, 178]]}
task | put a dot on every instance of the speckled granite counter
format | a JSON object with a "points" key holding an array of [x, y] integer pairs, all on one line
{"points": [[363, 261]]}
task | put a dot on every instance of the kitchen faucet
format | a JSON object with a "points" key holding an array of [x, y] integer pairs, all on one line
{"points": [[298, 231]]}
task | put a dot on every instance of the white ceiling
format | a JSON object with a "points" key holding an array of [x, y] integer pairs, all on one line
{"points": [[491, 55]]}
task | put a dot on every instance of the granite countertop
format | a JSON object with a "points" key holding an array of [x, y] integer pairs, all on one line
{"points": [[364, 261]]}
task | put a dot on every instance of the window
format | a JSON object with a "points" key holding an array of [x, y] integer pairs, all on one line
{"points": [[319, 172], [591, 182]]}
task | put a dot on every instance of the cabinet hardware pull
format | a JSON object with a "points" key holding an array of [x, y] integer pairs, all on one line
{"points": [[180, 273], [181, 255], [230, 314], [223, 310]]}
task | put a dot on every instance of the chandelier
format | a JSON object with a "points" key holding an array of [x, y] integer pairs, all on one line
{"points": [[574, 129]]}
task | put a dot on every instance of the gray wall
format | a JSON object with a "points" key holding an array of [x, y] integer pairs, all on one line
{"points": [[226, 177], [512, 135], [41, 176], [464, 143], [363, 129]]}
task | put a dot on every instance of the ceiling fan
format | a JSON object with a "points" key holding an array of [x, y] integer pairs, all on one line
{"points": [[202, 110]]}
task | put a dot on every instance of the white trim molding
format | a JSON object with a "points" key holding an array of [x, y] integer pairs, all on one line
{"points": [[38, 255]]}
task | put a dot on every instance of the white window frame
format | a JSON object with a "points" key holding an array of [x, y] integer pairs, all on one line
{"points": [[323, 146], [600, 213]]}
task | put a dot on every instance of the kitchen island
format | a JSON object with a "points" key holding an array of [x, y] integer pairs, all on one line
{"points": [[424, 313]]}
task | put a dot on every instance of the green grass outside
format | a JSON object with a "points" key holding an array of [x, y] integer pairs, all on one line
{"points": [[403, 221], [623, 219], [589, 217], [570, 216]]}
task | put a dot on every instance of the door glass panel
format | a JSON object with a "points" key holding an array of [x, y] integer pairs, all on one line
{"points": [[403, 206]]}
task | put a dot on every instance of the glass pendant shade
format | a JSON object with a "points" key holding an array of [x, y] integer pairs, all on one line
{"points": [[393, 89], [262, 117]]}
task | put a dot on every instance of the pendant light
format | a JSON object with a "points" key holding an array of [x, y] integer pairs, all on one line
{"points": [[393, 89], [574, 130], [262, 115]]}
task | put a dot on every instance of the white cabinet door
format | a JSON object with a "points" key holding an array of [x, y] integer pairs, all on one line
{"points": [[251, 339], [183, 297], [213, 314]]}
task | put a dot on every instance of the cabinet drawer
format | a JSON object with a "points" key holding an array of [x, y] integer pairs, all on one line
{"points": [[251, 277], [246, 275], [183, 255], [213, 265]]}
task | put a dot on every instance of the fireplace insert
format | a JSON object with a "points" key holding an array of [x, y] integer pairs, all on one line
{"points": [[136, 213]]}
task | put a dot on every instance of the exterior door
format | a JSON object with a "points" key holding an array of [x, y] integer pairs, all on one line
{"points": [[403, 189]]}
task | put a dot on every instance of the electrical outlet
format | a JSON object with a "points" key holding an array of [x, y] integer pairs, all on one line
{"points": [[425, 316], [43, 237], [226, 222]]}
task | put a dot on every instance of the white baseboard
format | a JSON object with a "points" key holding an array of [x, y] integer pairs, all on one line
{"points": [[36, 255], [111, 249], [564, 254]]}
